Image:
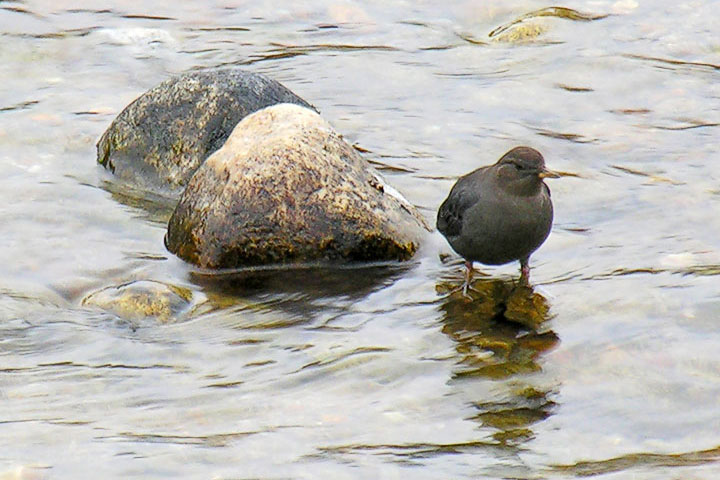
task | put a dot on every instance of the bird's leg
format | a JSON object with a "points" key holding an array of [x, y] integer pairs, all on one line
{"points": [[525, 271], [468, 278]]}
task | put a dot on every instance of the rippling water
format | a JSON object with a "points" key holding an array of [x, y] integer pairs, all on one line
{"points": [[373, 373]]}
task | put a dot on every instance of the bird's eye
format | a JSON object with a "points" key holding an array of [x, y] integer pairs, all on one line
{"points": [[517, 166]]}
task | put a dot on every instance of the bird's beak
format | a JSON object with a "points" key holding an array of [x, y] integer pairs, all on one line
{"points": [[545, 173]]}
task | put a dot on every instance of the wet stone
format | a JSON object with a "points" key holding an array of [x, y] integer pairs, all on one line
{"points": [[498, 299], [286, 188], [524, 32], [500, 332], [531, 26], [527, 308], [142, 299], [158, 141]]}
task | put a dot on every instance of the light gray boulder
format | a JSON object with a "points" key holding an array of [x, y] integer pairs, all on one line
{"points": [[285, 188]]}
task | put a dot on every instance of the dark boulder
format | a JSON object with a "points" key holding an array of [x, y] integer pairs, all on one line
{"points": [[158, 141]]}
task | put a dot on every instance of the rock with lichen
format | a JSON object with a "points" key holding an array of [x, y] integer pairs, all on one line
{"points": [[158, 141], [287, 188]]}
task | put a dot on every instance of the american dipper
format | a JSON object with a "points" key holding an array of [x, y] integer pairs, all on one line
{"points": [[499, 213]]}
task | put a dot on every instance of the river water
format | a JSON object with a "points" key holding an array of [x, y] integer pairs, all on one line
{"points": [[373, 373]]}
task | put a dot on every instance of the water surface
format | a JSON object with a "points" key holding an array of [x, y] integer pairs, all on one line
{"points": [[378, 373]]}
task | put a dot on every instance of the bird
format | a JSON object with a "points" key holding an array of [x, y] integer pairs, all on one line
{"points": [[499, 213]]}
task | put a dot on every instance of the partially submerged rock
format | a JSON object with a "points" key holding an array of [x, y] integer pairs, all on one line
{"points": [[142, 299], [500, 332], [530, 26], [285, 188], [496, 299], [161, 138]]}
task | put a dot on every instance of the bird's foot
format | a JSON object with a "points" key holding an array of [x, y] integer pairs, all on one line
{"points": [[467, 282], [465, 287]]}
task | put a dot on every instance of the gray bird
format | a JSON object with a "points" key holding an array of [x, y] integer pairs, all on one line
{"points": [[499, 213]]}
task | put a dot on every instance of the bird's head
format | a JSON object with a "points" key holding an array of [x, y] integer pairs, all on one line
{"points": [[522, 169]]}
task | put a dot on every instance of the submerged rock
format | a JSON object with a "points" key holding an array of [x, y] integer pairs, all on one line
{"points": [[142, 299], [286, 188], [161, 138]]}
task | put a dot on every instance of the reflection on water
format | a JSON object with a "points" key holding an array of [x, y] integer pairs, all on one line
{"points": [[641, 460], [316, 280], [500, 333], [298, 284], [153, 207]]}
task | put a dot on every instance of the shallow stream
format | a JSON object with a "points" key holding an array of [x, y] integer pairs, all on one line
{"points": [[372, 373]]}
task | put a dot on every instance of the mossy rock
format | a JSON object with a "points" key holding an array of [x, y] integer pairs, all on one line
{"points": [[158, 141], [286, 188], [500, 331], [495, 299], [523, 32], [531, 26], [142, 299]]}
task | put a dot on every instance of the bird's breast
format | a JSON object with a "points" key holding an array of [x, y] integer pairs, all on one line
{"points": [[503, 228]]}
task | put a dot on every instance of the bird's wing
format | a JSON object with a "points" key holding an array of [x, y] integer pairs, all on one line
{"points": [[450, 213]]}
